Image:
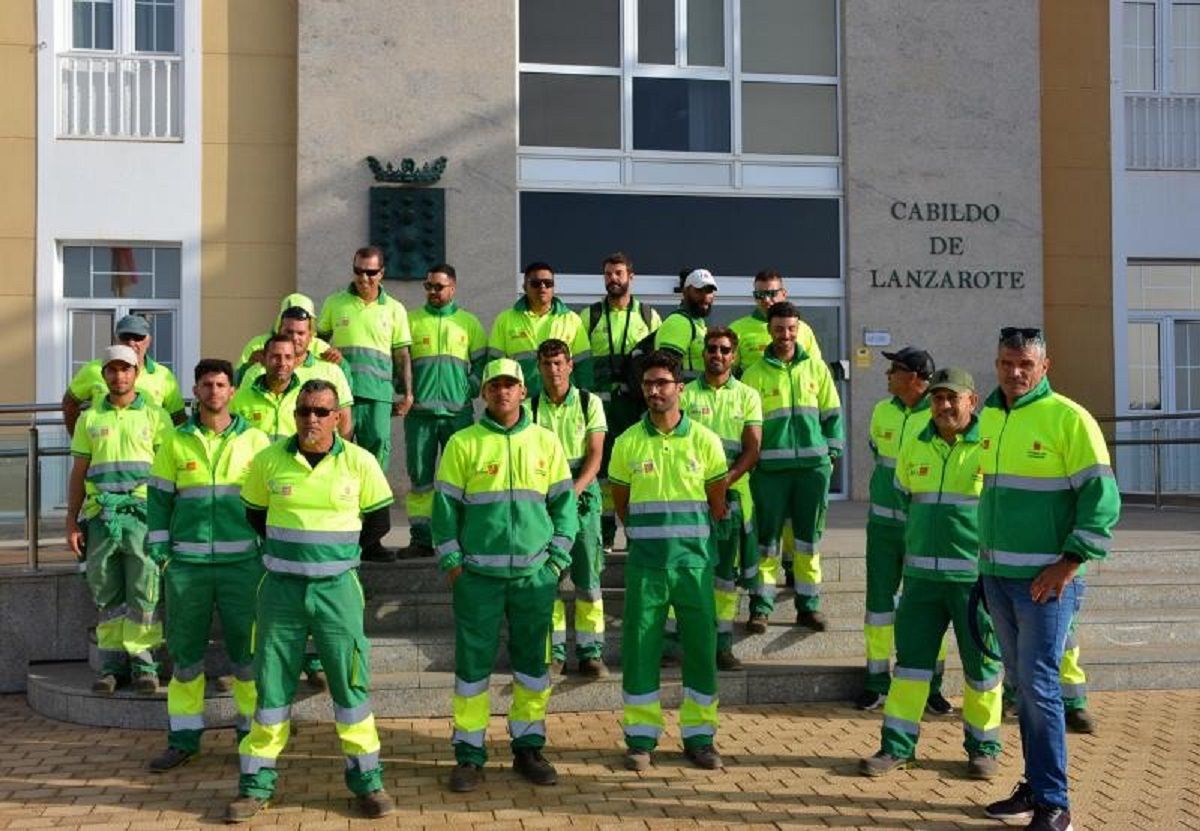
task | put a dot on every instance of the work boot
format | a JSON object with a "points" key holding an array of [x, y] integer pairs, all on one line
{"points": [[704, 756], [869, 700], [531, 764], [593, 668], [982, 766], [1050, 818], [1017, 806], [317, 680], [558, 667], [375, 804], [465, 777], [757, 624], [813, 620], [105, 684], [244, 808], [881, 763], [1080, 721], [728, 662], [638, 760], [170, 758], [379, 554], [415, 551], [145, 683], [937, 705]]}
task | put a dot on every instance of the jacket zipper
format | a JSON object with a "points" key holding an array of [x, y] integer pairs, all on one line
{"points": [[941, 489], [999, 439]]}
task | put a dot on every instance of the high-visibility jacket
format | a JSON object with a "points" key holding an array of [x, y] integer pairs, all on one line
{"points": [[726, 410], [892, 424], [503, 500], [684, 335], [517, 333], [272, 413], [753, 340], [194, 512], [316, 347], [314, 515], [667, 474], [1048, 486], [365, 334], [449, 349], [155, 381], [613, 333], [310, 368], [939, 485], [570, 424], [294, 300], [802, 413], [119, 444]]}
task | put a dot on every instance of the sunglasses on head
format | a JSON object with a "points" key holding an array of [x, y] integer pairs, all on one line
{"points": [[369, 272], [1021, 334], [765, 294], [319, 412], [539, 283], [131, 336], [718, 349]]}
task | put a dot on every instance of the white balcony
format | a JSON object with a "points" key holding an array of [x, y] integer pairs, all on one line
{"points": [[1162, 132], [120, 97]]}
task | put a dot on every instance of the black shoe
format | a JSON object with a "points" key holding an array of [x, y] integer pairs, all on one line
{"points": [[244, 808], [145, 683], [1080, 721], [465, 777], [1050, 818], [638, 759], [593, 668], [531, 764], [813, 620], [869, 700], [375, 804], [1017, 806], [415, 551], [170, 758], [937, 705], [317, 680], [757, 624], [728, 662], [1008, 709], [704, 756], [105, 684], [379, 554]]}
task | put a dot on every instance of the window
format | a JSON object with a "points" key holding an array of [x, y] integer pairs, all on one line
{"points": [[1137, 45], [92, 24], [1185, 47], [1163, 335], [1166, 31]]}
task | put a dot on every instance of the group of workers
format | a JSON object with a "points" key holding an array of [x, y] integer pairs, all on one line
{"points": [[713, 446]]}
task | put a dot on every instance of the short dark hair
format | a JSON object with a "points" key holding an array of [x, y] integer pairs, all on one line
{"points": [[663, 359], [767, 275], [537, 265], [551, 347], [315, 385], [369, 251], [782, 309], [278, 339], [209, 366], [443, 268], [617, 258], [715, 332], [296, 313]]}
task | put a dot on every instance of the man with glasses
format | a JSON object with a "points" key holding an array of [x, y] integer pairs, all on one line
{"points": [[154, 381], [1048, 507], [369, 333], [448, 353], [255, 349], [682, 332], [537, 317], [316, 501], [753, 337]]}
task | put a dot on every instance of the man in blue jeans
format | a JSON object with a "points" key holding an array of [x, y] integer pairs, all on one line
{"points": [[1048, 506]]}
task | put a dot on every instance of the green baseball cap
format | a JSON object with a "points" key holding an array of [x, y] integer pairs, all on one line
{"points": [[503, 368], [952, 378]]}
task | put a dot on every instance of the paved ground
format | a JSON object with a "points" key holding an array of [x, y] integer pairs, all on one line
{"points": [[789, 767]]}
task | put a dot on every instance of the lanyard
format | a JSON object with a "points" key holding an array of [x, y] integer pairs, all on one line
{"points": [[612, 369]]}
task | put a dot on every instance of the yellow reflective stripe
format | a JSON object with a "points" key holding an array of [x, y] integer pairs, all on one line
{"points": [[360, 743], [140, 638], [589, 619], [185, 703]]}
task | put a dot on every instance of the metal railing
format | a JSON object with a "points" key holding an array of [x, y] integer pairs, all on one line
{"points": [[33, 453], [1162, 132], [1156, 442], [120, 97]]}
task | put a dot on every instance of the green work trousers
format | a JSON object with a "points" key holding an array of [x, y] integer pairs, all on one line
{"points": [[481, 605], [190, 592], [373, 428], [587, 561], [648, 594], [124, 582], [621, 412], [926, 608], [424, 437], [1071, 677], [331, 608], [802, 496]]}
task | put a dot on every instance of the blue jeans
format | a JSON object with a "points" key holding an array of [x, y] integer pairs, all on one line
{"points": [[1032, 639]]}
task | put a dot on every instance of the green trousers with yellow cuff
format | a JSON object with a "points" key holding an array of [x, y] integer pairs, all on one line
{"points": [[926, 608], [587, 562], [373, 428], [482, 603], [424, 437], [190, 592], [648, 594], [124, 582], [331, 608], [801, 495]]}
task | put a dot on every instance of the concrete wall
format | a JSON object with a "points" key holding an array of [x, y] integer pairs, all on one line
{"points": [[44, 617], [940, 106]]}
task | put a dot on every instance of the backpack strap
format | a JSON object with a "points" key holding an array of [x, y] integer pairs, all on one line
{"points": [[595, 310], [585, 398], [533, 406]]}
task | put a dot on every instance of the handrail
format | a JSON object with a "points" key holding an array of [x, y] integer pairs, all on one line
{"points": [[1136, 418]]}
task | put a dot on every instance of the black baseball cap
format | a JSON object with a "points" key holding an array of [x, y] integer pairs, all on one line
{"points": [[913, 359]]}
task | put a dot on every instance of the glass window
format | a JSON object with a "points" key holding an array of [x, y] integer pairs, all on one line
{"points": [[797, 37], [121, 272], [680, 114], [1144, 367], [1187, 365], [1185, 47], [576, 32], [92, 24], [570, 110], [154, 25], [706, 33], [1137, 45], [789, 118], [91, 332], [1163, 286], [656, 32]]}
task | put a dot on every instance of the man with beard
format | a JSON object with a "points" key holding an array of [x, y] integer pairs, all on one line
{"points": [[267, 400], [683, 330]]}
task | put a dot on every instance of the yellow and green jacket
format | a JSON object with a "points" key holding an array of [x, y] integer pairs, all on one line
{"points": [[245, 366], [726, 410], [893, 423], [503, 502], [366, 334], [684, 335], [517, 333], [194, 512], [119, 444], [272, 413], [1048, 487], [314, 514], [753, 340], [802, 414], [570, 423], [614, 332], [667, 474], [155, 381], [311, 367], [938, 486], [449, 349]]}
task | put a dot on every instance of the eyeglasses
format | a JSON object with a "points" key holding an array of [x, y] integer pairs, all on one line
{"points": [[721, 350], [432, 286], [538, 283], [370, 272], [129, 336], [658, 383], [319, 412], [765, 294]]}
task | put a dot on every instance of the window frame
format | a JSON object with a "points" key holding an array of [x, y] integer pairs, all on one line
{"points": [[124, 32], [1163, 48]]}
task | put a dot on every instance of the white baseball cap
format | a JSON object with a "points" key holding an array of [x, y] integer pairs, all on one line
{"points": [[120, 352], [700, 278]]}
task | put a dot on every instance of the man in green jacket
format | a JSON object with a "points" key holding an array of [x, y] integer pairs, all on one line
{"points": [[682, 331], [1045, 463], [504, 520]]}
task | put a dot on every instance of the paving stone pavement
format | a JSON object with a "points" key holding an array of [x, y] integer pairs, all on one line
{"points": [[788, 767]]}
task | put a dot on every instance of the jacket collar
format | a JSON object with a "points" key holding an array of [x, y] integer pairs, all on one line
{"points": [[681, 429], [1042, 390], [769, 356], [236, 427], [293, 445], [491, 424], [557, 306], [443, 311], [971, 435], [138, 402]]}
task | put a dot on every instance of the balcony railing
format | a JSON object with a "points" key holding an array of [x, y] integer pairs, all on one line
{"points": [[1162, 132], [120, 97]]}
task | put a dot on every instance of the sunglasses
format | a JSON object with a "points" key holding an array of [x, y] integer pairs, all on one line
{"points": [[718, 350], [128, 336], [431, 286], [540, 284], [319, 412], [1027, 333], [369, 272], [765, 294]]}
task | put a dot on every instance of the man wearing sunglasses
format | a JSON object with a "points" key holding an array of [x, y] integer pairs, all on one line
{"points": [[1048, 507], [448, 353], [369, 331], [753, 337], [537, 317], [154, 381], [255, 349]]}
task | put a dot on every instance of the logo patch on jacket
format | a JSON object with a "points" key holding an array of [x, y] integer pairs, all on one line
{"points": [[191, 465], [491, 469], [648, 466], [1036, 451]]}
